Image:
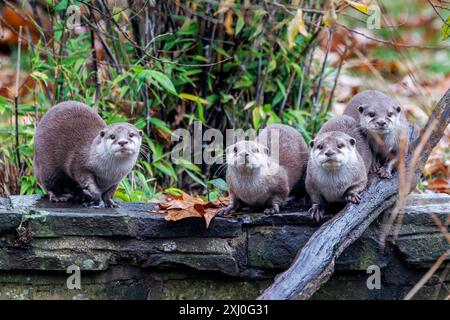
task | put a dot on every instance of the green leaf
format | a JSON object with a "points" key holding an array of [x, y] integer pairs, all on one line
{"points": [[240, 23], [62, 5], [219, 184], [445, 31], [161, 79], [191, 97], [195, 178]]}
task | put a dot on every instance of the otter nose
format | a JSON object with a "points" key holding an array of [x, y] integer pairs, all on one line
{"points": [[246, 154], [381, 123], [122, 142], [329, 153]]}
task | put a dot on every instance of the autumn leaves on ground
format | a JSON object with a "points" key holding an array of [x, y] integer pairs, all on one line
{"points": [[229, 64]]}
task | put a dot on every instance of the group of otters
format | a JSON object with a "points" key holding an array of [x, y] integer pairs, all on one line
{"points": [[77, 156]]}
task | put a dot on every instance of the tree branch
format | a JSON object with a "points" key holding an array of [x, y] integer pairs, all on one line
{"points": [[314, 264]]}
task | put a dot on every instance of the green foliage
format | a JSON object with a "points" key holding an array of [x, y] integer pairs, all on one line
{"points": [[199, 72], [445, 31]]}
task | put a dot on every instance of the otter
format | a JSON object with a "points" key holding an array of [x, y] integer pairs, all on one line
{"points": [[262, 173], [383, 124], [338, 165], [77, 156]]}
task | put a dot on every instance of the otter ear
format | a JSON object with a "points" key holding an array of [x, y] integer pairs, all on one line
{"points": [[266, 150], [352, 141], [361, 108], [311, 144], [102, 133], [398, 109], [141, 133]]}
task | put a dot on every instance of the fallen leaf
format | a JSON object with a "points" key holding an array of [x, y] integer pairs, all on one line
{"points": [[177, 207], [440, 185]]}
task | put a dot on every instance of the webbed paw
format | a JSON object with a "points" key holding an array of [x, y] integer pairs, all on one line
{"points": [[225, 211], [384, 173], [272, 210], [59, 198], [353, 197], [316, 212], [110, 203]]}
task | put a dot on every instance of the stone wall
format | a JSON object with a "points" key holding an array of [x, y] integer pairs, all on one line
{"points": [[129, 253]]}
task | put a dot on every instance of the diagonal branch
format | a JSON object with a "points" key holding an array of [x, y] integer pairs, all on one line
{"points": [[314, 264]]}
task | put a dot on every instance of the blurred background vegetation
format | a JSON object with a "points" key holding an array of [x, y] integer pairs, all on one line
{"points": [[229, 64]]}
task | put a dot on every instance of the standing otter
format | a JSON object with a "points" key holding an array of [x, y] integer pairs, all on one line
{"points": [[77, 155], [338, 165], [382, 121], [263, 176]]}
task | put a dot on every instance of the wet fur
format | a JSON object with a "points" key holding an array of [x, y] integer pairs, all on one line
{"points": [[257, 187], [69, 161], [345, 183], [386, 153]]}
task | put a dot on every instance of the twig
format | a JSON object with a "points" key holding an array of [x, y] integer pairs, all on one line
{"points": [[322, 71], [391, 43], [94, 61], [330, 100], [16, 99], [427, 275]]}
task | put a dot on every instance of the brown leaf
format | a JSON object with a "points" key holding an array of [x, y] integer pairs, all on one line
{"points": [[177, 207], [440, 185]]}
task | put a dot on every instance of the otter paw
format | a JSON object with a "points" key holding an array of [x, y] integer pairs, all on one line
{"points": [[110, 203], [384, 173], [316, 212], [374, 167], [353, 198], [225, 211], [58, 198], [93, 197], [272, 210]]}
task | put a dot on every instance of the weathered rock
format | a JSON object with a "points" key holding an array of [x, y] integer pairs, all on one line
{"points": [[131, 253]]}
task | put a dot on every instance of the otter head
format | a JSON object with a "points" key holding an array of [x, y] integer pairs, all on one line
{"points": [[246, 156], [333, 150], [379, 119], [119, 140]]}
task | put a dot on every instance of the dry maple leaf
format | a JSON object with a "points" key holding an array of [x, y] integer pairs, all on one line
{"points": [[184, 206], [440, 185]]}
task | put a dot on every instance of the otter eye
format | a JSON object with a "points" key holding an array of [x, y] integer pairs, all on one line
{"points": [[102, 134], [112, 137], [255, 150], [235, 149], [371, 114], [131, 134], [320, 147], [340, 146], [390, 114]]}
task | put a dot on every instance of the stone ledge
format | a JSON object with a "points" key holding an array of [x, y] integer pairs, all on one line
{"points": [[249, 246]]}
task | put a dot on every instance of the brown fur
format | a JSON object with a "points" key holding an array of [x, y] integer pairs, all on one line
{"points": [[339, 139], [384, 145], [73, 157], [261, 186]]}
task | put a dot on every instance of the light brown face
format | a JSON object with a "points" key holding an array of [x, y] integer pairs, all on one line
{"points": [[247, 155], [379, 119], [333, 150], [121, 140]]}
